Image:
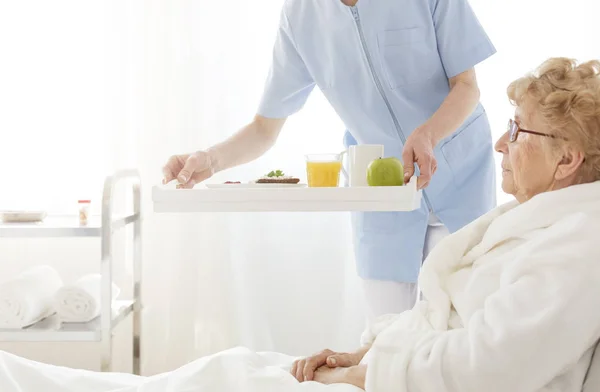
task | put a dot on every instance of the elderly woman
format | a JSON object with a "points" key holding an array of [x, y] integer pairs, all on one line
{"points": [[512, 300]]}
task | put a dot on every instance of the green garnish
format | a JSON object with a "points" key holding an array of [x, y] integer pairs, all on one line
{"points": [[276, 173]]}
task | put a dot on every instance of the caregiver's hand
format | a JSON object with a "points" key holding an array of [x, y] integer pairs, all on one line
{"points": [[419, 149], [188, 169], [246, 145]]}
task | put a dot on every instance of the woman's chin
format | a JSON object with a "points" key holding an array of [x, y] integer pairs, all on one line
{"points": [[508, 185]]}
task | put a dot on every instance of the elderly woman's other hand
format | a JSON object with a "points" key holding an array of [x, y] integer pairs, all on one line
{"points": [[304, 369], [354, 375]]}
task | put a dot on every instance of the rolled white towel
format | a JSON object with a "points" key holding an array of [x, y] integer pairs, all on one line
{"points": [[81, 301], [28, 298]]}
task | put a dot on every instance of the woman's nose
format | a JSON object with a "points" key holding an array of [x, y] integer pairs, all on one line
{"points": [[502, 144]]}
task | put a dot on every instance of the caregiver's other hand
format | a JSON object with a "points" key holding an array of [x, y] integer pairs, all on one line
{"points": [[188, 169], [419, 149], [354, 375]]}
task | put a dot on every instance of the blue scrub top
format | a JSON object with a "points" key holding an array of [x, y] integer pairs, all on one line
{"points": [[384, 66]]}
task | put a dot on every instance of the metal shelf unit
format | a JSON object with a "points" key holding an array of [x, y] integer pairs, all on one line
{"points": [[101, 328]]}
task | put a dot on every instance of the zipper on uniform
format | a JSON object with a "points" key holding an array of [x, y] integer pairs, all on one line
{"points": [[380, 88]]}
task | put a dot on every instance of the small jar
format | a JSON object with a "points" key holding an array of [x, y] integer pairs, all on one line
{"points": [[84, 211]]}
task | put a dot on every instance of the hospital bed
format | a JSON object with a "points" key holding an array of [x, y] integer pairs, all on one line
{"points": [[226, 371], [223, 372]]}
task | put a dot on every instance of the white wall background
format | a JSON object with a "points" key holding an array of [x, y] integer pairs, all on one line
{"points": [[87, 87]]}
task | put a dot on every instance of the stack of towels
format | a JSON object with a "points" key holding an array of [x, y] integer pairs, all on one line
{"points": [[39, 292]]}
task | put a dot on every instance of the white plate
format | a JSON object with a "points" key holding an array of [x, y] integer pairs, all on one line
{"points": [[255, 185], [22, 216]]}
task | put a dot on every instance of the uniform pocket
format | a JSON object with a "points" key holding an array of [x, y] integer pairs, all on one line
{"points": [[407, 56], [463, 151]]}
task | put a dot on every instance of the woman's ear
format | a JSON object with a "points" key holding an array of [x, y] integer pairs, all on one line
{"points": [[570, 162]]}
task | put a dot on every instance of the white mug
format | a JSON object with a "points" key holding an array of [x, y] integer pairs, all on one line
{"points": [[359, 158]]}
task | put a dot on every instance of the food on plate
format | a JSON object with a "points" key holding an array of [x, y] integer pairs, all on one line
{"points": [[277, 177], [385, 172]]}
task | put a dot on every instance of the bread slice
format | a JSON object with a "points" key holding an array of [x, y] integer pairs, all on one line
{"points": [[275, 180], [277, 177]]}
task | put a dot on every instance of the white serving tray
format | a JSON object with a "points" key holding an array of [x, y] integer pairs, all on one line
{"points": [[167, 199]]}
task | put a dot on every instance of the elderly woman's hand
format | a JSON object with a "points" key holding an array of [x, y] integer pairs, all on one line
{"points": [[354, 375], [304, 369]]}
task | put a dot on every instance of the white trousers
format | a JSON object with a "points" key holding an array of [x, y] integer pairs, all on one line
{"points": [[387, 297]]}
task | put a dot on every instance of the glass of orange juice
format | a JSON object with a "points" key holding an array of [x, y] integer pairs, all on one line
{"points": [[323, 170]]}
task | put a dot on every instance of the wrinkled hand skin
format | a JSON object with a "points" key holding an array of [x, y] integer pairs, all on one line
{"points": [[303, 369], [354, 375], [327, 375]]}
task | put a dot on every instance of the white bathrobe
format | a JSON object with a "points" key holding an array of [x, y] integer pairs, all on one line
{"points": [[512, 304]]}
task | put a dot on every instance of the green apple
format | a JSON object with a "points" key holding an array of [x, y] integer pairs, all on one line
{"points": [[385, 172]]}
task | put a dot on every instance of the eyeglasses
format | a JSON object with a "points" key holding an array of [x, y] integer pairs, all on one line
{"points": [[514, 129]]}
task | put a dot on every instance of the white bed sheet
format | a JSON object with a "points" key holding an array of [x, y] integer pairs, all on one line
{"points": [[238, 370]]}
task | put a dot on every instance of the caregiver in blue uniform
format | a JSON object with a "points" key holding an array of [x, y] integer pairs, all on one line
{"points": [[398, 73]]}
